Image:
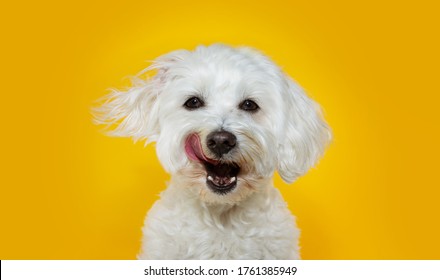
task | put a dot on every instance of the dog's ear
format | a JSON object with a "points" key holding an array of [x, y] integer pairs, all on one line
{"points": [[134, 112], [306, 133]]}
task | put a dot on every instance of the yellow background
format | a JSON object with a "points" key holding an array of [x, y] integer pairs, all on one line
{"points": [[69, 192]]}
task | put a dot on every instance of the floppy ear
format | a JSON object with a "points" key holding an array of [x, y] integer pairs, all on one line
{"points": [[306, 133], [130, 113], [134, 112]]}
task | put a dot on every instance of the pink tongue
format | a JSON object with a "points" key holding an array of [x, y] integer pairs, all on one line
{"points": [[193, 149]]}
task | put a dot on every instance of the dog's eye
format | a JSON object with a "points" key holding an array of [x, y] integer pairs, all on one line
{"points": [[193, 103], [249, 105]]}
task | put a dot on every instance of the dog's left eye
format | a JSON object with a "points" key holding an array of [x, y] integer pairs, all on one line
{"points": [[193, 103], [249, 105]]}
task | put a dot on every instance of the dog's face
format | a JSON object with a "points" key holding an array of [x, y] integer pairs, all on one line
{"points": [[224, 120]]}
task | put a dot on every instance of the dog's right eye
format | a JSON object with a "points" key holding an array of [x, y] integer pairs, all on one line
{"points": [[193, 103]]}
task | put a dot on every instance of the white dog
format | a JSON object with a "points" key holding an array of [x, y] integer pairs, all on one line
{"points": [[224, 120]]}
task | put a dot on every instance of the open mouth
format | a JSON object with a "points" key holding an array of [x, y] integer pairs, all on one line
{"points": [[221, 178]]}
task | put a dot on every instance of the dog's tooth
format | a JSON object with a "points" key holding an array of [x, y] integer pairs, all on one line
{"points": [[221, 181]]}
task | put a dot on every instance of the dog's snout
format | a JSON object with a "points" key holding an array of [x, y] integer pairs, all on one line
{"points": [[221, 142]]}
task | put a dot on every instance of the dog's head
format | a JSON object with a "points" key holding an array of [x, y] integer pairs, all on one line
{"points": [[224, 119]]}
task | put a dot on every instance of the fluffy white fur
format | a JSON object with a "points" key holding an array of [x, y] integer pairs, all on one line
{"points": [[287, 134]]}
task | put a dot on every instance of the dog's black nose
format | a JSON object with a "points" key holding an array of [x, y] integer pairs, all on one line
{"points": [[221, 142]]}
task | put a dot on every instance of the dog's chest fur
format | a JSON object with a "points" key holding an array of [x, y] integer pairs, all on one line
{"points": [[180, 226]]}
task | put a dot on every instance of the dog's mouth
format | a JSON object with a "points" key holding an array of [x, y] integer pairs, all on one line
{"points": [[221, 177]]}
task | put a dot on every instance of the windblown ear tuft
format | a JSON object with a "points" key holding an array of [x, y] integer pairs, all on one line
{"points": [[134, 112], [306, 134], [130, 113]]}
